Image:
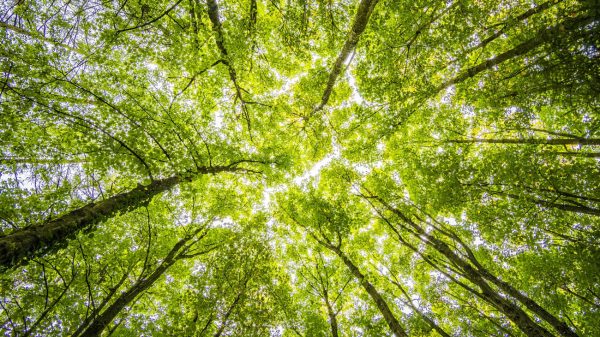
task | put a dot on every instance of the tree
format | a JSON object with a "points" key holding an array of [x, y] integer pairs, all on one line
{"points": [[180, 250], [369, 168], [24, 242]]}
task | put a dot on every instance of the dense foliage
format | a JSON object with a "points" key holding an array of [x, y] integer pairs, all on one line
{"points": [[300, 168]]}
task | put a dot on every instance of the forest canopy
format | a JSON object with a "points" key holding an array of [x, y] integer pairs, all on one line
{"points": [[300, 168]]}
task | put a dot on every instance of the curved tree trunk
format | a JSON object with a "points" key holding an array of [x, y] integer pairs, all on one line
{"points": [[41, 238], [561, 327], [519, 317]]}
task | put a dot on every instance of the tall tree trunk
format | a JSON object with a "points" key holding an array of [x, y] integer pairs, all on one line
{"points": [[96, 311], [542, 37], [365, 8], [477, 276], [582, 209], [561, 327], [215, 19], [41, 238], [511, 22], [332, 317], [578, 141], [217, 27], [389, 317], [427, 319], [178, 251], [512, 311]]}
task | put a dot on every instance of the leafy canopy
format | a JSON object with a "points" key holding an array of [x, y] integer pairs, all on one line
{"points": [[327, 160]]}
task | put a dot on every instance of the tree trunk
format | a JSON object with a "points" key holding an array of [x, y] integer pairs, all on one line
{"points": [[365, 8], [389, 317], [542, 37], [561, 327], [564, 207], [214, 16], [332, 317], [39, 239], [578, 141], [427, 319], [103, 320], [512, 311]]}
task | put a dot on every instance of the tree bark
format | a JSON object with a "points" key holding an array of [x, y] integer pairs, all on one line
{"points": [[508, 24], [214, 16], [365, 8], [217, 27], [561, 327], [39, 239], [512, 311], [332, 321], [426, 318], [542, 37], [103, 320], [389, 317], [578, 141], [564, 207]]}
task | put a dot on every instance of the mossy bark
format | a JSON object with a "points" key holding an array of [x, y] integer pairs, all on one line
{"points": [[39, 239]]}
